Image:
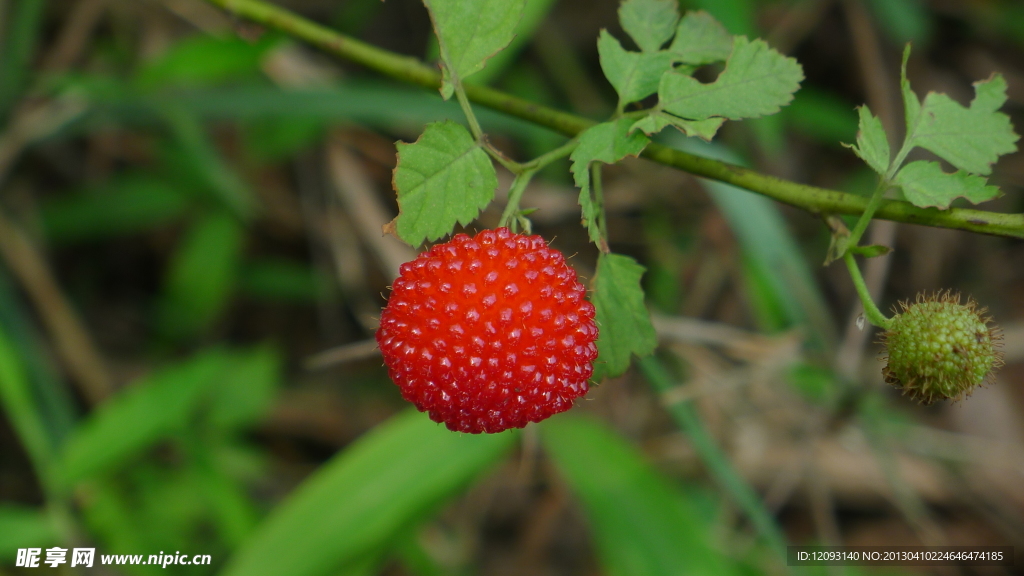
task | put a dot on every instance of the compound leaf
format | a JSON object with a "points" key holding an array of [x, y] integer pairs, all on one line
{"points": [[442, 178], [872, 145], [757, 81], [925, 184], [622, 318], [700, 39], [971, 138], [608, 142], [635, 75], [471, 32], [649, 22]]}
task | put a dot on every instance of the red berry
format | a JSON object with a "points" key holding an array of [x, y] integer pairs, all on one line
{"points": [[489, 333]]}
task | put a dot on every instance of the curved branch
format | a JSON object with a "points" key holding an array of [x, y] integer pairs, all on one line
{"points": [[811, 198]]}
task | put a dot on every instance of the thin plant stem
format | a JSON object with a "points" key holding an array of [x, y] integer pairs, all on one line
{"points": [[871, 311], [869, 212], [811, 198], [515, 194], [474, 124], [548, 157]]}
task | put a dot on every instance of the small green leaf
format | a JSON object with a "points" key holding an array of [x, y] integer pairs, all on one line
{"points": [[972, 138], [643, 524], [655, 121], [635, 75], [925, 184], [144, 413], [872, 145], [366, 496], [911, 105], [608, 142], [622, 318], [700, 39], [201, 276], [471, 32], [442, 179], [649, 22], [757, 81]]}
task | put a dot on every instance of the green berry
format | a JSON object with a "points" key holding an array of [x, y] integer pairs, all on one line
{"points": [[940, 349]]}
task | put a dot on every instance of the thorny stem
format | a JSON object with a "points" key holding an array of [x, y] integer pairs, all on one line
{"points": [[811, 198], [871, 311]]}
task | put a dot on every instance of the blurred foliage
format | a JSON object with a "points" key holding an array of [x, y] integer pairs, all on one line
{"points": [[160, 211]]}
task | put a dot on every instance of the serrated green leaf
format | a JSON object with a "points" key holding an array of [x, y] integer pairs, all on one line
{"points": [[700, 39], [757, 81], [656, 121], [442, 179], [872, 145], [366, 496], [924, 184], [471, 32], [649, 22], [971, 138], [642, 523], [635, 75], [911, 105], [622, 317], [607, 142]]}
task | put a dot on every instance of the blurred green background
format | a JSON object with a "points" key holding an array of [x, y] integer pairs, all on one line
{"points": [[191, 269]]}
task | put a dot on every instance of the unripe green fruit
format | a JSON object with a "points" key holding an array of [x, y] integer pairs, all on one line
{"points": [[940, 349]]}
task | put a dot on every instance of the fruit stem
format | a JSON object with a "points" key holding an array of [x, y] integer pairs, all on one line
{"points": [[867, 215], [548, 157], [474, 125], [515, 194], [871, 312]]}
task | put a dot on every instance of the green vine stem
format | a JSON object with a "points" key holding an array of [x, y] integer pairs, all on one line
{"points": [[811, 198], [871, 311], [474, 125], [869, 212], [515, 194], [524, 173]]}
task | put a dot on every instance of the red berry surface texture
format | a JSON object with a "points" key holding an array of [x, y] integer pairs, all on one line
{"points": [[489, 333]]}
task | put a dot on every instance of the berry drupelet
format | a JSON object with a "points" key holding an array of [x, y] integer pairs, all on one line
{"points": [[489, 333]]}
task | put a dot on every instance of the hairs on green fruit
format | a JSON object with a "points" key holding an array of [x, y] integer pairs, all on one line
{"points": [[940, 349]]}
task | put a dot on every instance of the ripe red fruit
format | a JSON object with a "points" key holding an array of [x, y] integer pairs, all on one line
{"points": [[489, 333]]}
